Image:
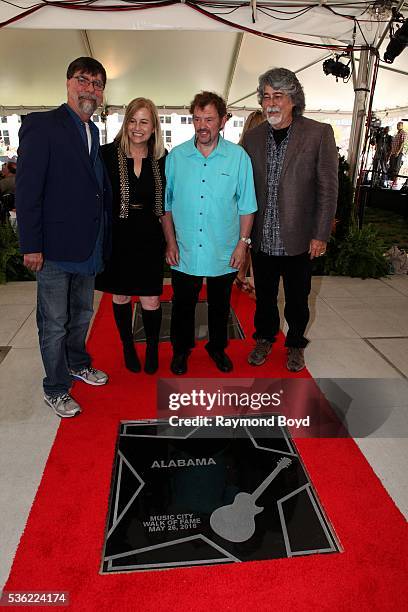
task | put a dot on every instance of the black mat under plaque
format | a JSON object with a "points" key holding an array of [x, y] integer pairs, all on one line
{"points": [[182, 498], [234, 331]]}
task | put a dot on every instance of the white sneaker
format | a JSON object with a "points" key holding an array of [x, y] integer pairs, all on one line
{"points": [[90, 376], [63, 405]]}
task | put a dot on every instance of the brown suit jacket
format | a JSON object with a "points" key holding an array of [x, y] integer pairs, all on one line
{"points": [[307, 193]]}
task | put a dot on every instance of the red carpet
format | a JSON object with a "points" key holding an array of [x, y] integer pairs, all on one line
{"points": [[62, 545]]}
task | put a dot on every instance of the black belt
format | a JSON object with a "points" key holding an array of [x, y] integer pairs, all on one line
{"points": [[137, 206]]}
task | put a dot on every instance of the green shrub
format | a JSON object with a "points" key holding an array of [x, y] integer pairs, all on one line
{"points": [[11, 261], [359, 254]]}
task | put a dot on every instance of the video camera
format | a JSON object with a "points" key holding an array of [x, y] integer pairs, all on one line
{"points": [[377, 132]]}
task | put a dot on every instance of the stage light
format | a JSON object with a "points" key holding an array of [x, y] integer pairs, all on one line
{"points": [[398, 42], [337, 68]]}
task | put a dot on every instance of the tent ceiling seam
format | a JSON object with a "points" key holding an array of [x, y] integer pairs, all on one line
{"points": [[234, 64], [87, 43]]}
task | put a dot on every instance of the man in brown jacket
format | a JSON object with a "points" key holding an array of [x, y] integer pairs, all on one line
{"points": [[295, 164]]}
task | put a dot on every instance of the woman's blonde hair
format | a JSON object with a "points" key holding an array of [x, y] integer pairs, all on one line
{"points": [[155, 144], [252, 121]]}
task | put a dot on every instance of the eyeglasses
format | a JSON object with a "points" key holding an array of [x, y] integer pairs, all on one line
{"points": [[84, 82]]}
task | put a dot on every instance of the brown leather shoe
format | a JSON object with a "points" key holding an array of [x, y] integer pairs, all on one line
{"points": [[295, 360], [260, 352]]}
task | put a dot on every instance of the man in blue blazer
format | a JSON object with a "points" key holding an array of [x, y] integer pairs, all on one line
{"points": [[63, 201]]}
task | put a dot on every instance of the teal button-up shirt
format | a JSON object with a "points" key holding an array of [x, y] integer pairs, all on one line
{"points": [[206, 196]]}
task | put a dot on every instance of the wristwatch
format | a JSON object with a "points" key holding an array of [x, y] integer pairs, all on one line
{"points": [[246, 240]]}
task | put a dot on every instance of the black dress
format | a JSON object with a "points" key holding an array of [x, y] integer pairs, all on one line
{"points": [[138, 244]]}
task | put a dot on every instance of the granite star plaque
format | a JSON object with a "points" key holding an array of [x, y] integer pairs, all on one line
{"points": [[184, 498]]}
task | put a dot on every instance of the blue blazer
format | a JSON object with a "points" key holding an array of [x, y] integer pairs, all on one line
{"points": [[58, 198]]}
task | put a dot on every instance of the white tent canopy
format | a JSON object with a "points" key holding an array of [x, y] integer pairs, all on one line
{"points": [[170, 52]]}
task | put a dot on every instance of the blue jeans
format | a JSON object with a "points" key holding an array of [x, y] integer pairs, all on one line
{"points": [[64, 311]]}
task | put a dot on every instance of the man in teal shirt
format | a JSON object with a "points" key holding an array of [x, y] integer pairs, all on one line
{"points": [[210, 197]]}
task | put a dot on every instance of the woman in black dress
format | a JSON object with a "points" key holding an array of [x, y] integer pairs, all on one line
{"points": [[135, 163]]}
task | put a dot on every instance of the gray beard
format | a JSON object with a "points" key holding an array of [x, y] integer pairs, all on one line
{"points": [[274, 120], [87, 106]]}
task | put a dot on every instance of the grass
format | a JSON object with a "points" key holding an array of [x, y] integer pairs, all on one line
{"points": [[392, 228]]}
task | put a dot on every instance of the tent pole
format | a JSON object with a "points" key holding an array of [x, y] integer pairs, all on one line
{"points": [[362, 90]]}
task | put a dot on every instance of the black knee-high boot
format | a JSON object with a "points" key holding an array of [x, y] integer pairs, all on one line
{"points": [[152, 322], [123, 319]]}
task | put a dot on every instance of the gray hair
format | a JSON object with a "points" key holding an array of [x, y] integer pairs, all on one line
{"points": [[286, 81]]}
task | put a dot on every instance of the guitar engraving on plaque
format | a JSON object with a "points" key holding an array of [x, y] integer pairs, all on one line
{"points": [[235, 522]]}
